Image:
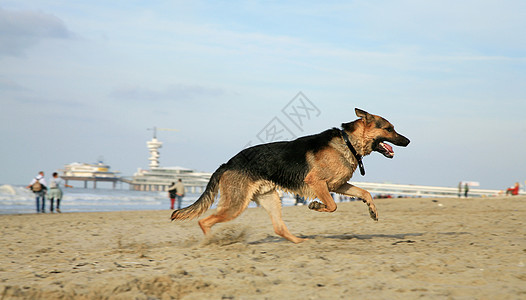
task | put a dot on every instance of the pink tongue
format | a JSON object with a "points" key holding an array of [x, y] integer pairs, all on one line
{"points": [[388, 147]]}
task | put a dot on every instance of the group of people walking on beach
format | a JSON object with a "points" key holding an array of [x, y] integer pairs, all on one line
{"points": [[176, 191], [40, 188]]}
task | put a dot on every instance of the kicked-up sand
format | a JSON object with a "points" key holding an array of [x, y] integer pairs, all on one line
{"points": [[428, 248]]}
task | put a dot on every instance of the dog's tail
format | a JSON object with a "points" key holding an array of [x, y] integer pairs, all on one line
{"points": [[205, 200]]}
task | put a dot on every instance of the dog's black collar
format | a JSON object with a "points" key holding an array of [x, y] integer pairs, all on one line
{"points": [[353, 151]]}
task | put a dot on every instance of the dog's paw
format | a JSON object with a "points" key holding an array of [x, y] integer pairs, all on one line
{"points": [[373, 213], [315, 205]]}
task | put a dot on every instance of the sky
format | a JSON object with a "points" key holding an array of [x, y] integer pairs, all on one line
{"points": [[85, 80]]}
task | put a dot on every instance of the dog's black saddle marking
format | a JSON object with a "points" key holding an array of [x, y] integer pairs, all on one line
{"points": [[353, 151]]}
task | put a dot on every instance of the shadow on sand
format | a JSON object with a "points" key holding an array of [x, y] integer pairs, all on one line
{"points": [[401, 237]]}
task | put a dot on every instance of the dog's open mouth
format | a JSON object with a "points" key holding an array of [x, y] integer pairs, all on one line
{"points": [[385, 149]]}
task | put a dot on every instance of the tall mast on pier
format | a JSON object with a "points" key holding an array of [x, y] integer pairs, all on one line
{"points": [[153, 147]]}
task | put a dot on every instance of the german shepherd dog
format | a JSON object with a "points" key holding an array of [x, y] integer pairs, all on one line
{"points": [[311, 166]]}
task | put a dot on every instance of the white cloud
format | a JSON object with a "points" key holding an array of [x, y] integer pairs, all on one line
{"points": [[20, 30]]}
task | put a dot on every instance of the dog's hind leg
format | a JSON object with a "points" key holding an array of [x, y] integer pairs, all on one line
{"points": [[354, 191], [271, 203], [236, 193], [223, 214]]}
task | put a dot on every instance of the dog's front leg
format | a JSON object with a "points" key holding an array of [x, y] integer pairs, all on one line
{"points": [[319, 187], [354, 191]]}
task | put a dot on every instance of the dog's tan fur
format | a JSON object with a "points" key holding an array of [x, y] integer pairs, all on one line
{"points": [[329, 170]]}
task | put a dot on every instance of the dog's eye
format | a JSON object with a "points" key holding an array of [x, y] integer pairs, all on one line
{"points": [[389, 129]]}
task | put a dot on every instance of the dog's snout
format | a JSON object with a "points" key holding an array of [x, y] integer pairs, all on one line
{"points": [[404, 141], [400, 140]]}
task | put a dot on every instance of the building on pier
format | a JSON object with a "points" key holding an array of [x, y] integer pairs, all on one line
{"points": [[160, 178], [97, 172]]}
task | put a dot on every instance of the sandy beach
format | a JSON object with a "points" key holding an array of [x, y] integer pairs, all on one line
{"points": [[428, 248]]}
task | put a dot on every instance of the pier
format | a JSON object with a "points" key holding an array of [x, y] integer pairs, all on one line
{"points": [[114, 180], [159, 179], [163, 186], [95, 172]]}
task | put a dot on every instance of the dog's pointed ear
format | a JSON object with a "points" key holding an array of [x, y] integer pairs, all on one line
{"points": [[363, 114]]}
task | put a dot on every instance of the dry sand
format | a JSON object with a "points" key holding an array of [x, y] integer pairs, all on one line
{"points": [[429, 248]]}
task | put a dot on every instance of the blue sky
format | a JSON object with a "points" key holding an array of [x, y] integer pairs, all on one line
{"points": [[81, 80]]}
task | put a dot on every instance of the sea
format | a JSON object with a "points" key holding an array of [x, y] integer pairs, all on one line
{"points": [[15, 199]]}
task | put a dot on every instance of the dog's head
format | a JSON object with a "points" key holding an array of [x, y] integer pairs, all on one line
{"points": [[376, 132]]}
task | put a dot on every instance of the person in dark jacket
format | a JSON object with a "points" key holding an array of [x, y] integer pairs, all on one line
{"points": [[172, 193]]}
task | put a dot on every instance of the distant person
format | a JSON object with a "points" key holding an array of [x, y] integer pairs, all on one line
{"points": [[39, 186], [55, 191], [180, 193], [172, 193], [299, 200], [466, 190], [514, 191]]}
